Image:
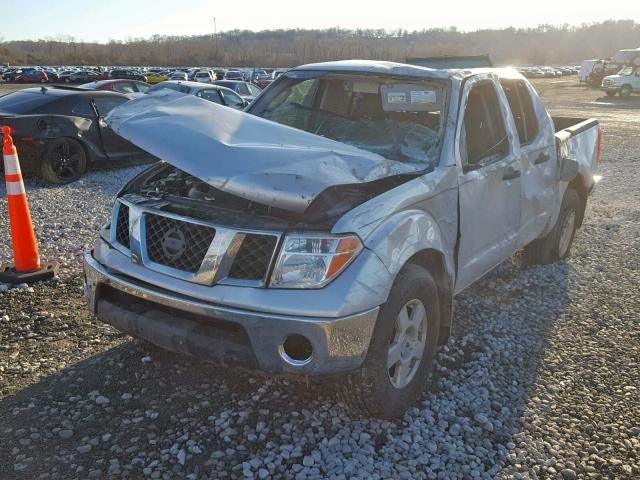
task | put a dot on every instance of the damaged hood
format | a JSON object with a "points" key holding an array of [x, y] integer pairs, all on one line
{"points": [[253, 158]]}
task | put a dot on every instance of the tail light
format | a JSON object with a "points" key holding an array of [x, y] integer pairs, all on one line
{"points": [[599, 151]]}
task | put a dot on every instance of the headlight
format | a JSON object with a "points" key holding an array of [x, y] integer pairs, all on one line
{"points": [[313, 260]]}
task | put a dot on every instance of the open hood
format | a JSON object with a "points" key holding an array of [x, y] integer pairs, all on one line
{"points": [[253, 158]]}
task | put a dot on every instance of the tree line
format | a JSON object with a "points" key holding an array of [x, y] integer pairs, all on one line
{"points": [[545, 44]]}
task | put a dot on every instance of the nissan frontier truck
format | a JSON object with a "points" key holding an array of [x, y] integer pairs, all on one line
{"points": [[325, 231]]}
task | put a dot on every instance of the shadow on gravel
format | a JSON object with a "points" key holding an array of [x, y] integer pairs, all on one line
{"points": [[488, 372], [126, 410], [618, 102]]}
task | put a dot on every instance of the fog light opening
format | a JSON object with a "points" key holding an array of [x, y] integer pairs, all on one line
{"points": [[296, 350]]}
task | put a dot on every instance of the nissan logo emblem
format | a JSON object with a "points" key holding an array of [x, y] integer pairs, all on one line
{"points": [[173, 243]]}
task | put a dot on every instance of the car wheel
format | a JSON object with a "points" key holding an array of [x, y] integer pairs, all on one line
{"points": [[557, 244], [67, 80], [65, 161], [402, 348], [610, 93], [625, 91]]}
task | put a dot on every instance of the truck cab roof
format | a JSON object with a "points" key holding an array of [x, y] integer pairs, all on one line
{"points": [[403, 70]]}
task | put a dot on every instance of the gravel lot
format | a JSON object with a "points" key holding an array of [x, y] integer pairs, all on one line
{"points": [[540, 380]]}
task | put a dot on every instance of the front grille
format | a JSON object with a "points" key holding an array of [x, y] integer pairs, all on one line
{"points": [[122, 225], [253, 258], [177, 244]]}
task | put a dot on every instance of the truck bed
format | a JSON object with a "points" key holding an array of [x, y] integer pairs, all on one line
{"points": [[573, 125], [580, 140]]}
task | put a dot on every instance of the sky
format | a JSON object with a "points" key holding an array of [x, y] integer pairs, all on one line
{"points": [[102, 20]]}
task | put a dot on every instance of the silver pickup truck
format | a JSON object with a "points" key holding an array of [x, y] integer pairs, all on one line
{"points": [[327, 229]]}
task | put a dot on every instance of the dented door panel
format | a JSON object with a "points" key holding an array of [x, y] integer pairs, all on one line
{"points": [[490, 201]]}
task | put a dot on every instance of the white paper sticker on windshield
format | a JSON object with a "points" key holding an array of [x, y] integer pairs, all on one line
{"points": [[396, 97], [423, 96]]}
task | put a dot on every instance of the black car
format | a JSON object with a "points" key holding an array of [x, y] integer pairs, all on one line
{"points": [[11, 74], [59, 131], [128, 75]]}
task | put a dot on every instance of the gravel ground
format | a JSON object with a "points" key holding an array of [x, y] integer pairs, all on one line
{"points": [[540, 380]]}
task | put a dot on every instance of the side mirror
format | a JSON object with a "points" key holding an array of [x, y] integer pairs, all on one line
{"points": [[568, 169]]}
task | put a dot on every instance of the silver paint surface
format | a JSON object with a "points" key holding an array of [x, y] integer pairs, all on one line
{"points": [[339, 344], [496, 217], [245, 155]]}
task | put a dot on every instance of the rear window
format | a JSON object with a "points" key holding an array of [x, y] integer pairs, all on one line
{"points": [[23, 102], [172, 86]]}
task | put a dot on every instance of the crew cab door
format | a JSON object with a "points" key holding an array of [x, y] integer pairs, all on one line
{"points": [[539, 165], [490, 186]]}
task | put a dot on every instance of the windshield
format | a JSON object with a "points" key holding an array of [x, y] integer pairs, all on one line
{"points": [[398, 119], [626, 71]]}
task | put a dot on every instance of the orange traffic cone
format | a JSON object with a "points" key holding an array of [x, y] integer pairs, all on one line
{"points": [[27, 266]]}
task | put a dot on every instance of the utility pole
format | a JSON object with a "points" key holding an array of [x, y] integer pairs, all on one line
{"points": [[215, 38]]}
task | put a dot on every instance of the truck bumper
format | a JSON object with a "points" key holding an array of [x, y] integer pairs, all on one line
{"points": [[229, 336], [610, 89]]}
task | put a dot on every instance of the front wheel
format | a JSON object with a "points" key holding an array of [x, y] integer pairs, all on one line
{"points": [[402, 348], [557, 244], [65, 161], [625, 91]]}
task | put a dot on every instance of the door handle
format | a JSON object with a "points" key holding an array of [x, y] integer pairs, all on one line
{"points": [[543, 157], [511, 173]]}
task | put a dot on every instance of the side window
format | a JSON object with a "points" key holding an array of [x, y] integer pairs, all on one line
{"points": [[531, 121], [211, 95], [510, 90], [141, 87], [106, 104], [242, 89], [124, 87], [485, 134], [522, 109], [83, 107], [254, 90], [231, 99]]}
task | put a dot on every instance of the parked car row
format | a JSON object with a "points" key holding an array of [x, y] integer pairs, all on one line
{"points": [[153, 75], [548, 72]]}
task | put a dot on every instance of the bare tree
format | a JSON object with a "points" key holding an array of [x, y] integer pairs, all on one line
{"points": [[544, 44]]}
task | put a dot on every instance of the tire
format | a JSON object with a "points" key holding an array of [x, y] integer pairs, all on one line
{"points": [[371, 388], [610, 93], [67, 80], [65, 161], [557, 244], [625, 91]]}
